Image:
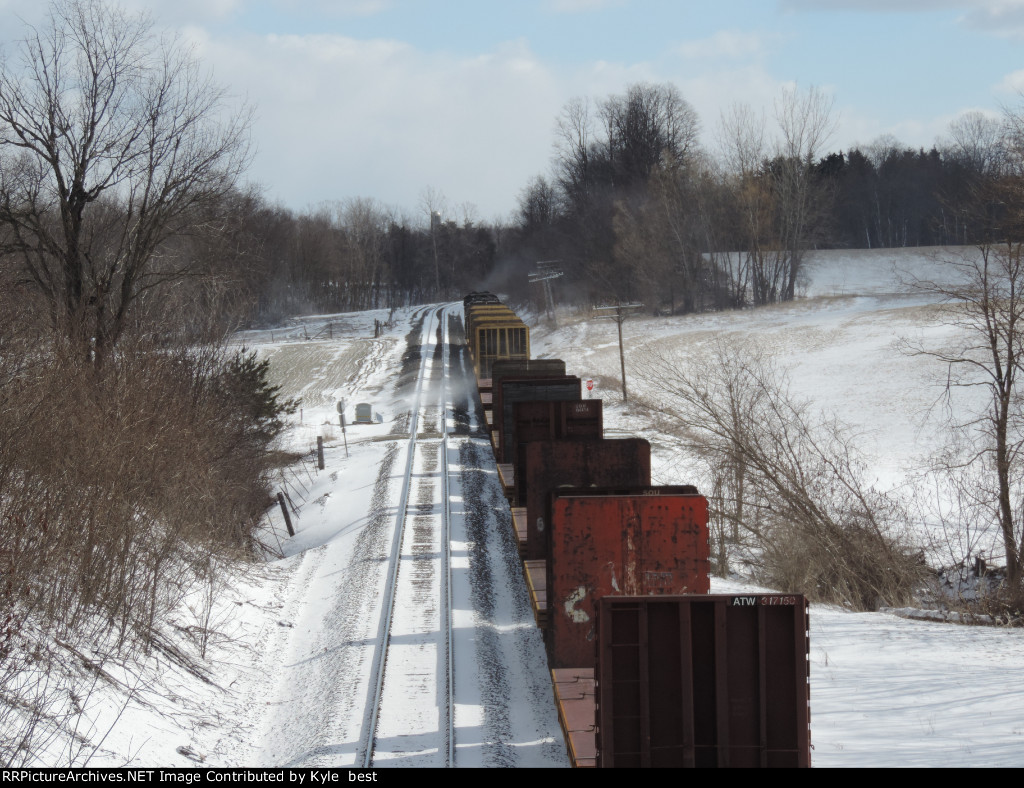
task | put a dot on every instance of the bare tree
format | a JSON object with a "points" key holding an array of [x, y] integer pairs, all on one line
{"points": [[112, 140], [538, 206], [573, 152], [742, 140], [789, 484], [606, 153], [984, 291], [806, 123], [646, 128], [363, 224], [778, 196], [759, 260], [976, 141], [660, 239], [433, 202], [881, 148]]}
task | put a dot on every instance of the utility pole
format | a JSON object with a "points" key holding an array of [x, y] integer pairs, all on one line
{"points": [[618, 314], [546, 271]]}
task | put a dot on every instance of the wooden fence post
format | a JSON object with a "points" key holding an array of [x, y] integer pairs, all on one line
{"points": [[287, 517]]}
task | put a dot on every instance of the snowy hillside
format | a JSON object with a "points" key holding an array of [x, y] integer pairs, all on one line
{"points": [[283, 676]]}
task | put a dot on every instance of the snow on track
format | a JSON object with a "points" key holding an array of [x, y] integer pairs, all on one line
{"points": [[318, 714], [410, 726]]}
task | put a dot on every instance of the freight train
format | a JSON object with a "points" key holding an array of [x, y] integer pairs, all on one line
{"points": [[648, 668]]}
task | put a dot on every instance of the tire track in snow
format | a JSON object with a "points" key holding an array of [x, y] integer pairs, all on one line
{"points": [[314, 371]]}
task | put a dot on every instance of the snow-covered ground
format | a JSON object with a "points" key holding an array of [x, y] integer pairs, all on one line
{"points": [[286, 670]]}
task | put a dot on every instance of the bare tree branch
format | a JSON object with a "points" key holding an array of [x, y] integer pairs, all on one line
{"points": [[112, 141]]}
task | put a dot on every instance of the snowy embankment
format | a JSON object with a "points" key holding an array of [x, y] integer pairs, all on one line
{"points": [[885, 690]]}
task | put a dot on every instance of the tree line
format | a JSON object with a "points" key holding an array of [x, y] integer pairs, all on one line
{"points": [[348, 255], [633, 208], [637, 210]]}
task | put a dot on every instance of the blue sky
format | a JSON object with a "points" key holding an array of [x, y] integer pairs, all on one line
{"points": [[387, 98]]}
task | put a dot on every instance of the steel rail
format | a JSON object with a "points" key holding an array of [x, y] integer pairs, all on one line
{"points": [[384, 630], [446, 540]]}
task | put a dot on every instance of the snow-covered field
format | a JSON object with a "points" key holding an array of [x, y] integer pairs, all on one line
{"points": [[286, 667]]}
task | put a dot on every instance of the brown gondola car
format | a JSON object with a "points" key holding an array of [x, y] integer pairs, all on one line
{"points": [[622, 462], [511, 390], [525, 368], [528, 368], [517, 368], [703, 681], [552, 420]]}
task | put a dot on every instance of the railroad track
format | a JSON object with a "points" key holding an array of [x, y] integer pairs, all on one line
{"points": [[412, 683]]}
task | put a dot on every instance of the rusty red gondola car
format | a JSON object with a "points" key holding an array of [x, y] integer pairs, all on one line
{"points": [[602, 544]]}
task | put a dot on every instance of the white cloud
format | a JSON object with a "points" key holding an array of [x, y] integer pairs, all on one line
{"points": [[164, 13], [729, 44], [1012, 83], [1001, 17], [22, 7], [859, 130], [885, 5], [182, 11], [339, 117], [200, 11], [17, 11], [336, 8]]}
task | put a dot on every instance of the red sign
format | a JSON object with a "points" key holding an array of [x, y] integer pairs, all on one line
{"points": [[590, 385]]}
